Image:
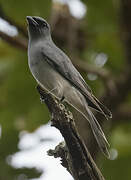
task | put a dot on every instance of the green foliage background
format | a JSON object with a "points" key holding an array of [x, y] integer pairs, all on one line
{"points": [[20, 108]]}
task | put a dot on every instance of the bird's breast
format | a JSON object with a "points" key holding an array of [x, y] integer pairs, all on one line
{"points": [[46, 76]]}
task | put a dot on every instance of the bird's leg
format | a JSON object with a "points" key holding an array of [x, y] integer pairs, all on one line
{"points": [[62, 99], [68, 113], [48, 92], [65, 107], [61, 103], [52, 90]]}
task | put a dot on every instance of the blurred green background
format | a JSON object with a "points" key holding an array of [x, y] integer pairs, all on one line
{"points": [[99, 45]]}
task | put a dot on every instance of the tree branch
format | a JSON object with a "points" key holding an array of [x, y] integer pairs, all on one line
{"points": [[14, 41], [75, 157], [11, 22]]}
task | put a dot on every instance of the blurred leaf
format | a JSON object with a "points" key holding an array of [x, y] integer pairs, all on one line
{"points": [[18, 10], [104, 32]]}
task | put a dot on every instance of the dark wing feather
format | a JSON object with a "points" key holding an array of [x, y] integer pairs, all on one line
{"points": [[62, 64]]}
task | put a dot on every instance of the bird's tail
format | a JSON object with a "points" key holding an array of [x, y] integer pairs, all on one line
{"points": [[78, 101], [98, 133]]}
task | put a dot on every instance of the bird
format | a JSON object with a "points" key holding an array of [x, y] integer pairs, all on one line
{"points": [[55, 73]]}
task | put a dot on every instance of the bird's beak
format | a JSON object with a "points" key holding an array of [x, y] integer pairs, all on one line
{"points": [[31, 21]]}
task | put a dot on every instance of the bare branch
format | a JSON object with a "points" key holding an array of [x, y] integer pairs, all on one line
{"points": [[15, 41], [78, 159], [12, 22]]}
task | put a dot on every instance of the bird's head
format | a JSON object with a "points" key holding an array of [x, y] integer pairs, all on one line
{"points": [[37, 27]]}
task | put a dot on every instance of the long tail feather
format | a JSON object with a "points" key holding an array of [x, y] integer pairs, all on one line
{"points": [[106, 111], [98, 133], [79, 102]]}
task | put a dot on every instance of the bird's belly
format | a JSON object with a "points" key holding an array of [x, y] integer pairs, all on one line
{"points": [[48, 78], [57, 85]]}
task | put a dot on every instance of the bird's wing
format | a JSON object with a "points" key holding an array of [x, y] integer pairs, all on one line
{"points": [[62, 64]]}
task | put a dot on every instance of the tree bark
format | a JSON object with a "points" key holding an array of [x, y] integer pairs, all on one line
{"points": [[74, 154]]}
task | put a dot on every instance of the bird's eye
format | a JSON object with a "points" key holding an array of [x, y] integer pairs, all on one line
{"points": [[43, 24]]}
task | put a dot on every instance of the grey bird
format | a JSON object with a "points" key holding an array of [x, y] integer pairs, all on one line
{"points": [[55, 73]]}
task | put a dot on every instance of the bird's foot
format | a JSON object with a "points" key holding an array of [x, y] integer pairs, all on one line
{"points": [[62, 99]]}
